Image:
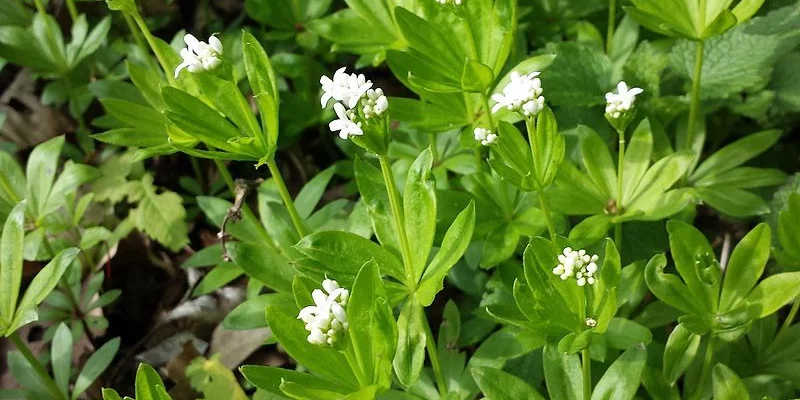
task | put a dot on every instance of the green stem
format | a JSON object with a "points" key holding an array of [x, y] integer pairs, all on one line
{"points": [[586, 370], [612, 20], [39, 7], [433, 353], [73, 11], [355, 365], [138, 39], [198, 173], [148, 36], [530, 125], [700, 386], [620, 170], [399, 221], [789, 319], [37, 367], [488, 111], [287, 198], [248, 213], [694, 106]]}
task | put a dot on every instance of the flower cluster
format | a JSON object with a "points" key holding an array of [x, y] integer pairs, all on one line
{"points": [[590, 322], [576, 263], [348, 90], [327, 318], [621, 102], [522, 94], [485, 136], [446, 2], [200, 56]]}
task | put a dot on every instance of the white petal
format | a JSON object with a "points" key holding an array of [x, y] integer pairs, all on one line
{"points": [[215, 44]]}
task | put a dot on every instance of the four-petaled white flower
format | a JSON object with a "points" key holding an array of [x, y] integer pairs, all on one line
{"points": [[485, 136], [622, 101], [327, 318], [345, 124], [375, 103], [344, 87], [590, 322], [578, 264], [200, 56], [522, 94]]}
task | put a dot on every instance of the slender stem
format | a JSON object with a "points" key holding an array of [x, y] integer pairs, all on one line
{"points": [[612, 20], [37, 367], [434, 151], [73, 11], [287, 198], [700, 386], [39, 7], [399, 221], [694, 106], [138, 39], [488, 112], [198, 173], [433, 353], [586, 370], [789, 319], [620, 171], [226, 176], [530, 125], [148, 36]]}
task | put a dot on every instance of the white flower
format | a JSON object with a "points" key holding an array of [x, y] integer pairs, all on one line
{"points": [[622, 101], [375, 104], [522, 94], [445, 2], [344, 87], [591, 322], [200, 56], [577, 264], [485, 136], [345, 125], [327, 318]]}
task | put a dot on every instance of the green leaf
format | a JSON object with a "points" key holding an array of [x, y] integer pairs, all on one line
{"points": [[622, 378], [126, 6], [597, 160], [41, 170], [579, 75], [637, 159], [344, 253], [250, 314], [669, 288], [562, 373], [681, 349], [218, 277], [454, 244], [213, 379], [419, 206], [159, 215], [270, 378], [746, 265], [476, 76], [498, 385], [549, 147], [374, 196], [427, 40], [61, 357], [73, 176], [11, 252], [42, 284], [734, 202], [110, 394], [623, 334], [774, 292], [226, 97], [148, 384], [687, 244], [410, 355], [308, 198], [727, 385], [373, 330], [95, 365], [204, 123], [94, 235], [12, 180], [262, 263], [574, 342], [735, 154]]}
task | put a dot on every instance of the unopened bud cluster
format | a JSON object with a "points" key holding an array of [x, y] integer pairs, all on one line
{"points": [[326, 320], [578, 264]]}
